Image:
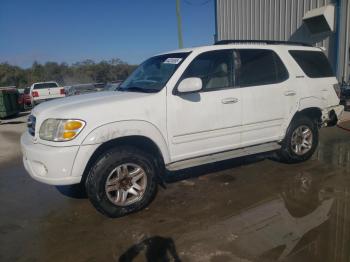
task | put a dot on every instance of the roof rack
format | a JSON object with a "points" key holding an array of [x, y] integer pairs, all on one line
{"points": [[267, 42]]}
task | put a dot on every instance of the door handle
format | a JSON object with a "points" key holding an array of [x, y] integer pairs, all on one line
{"points": [[290, 93], [230, 100]]}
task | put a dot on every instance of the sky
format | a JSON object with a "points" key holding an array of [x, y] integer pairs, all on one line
{"points": [[74, 30]]}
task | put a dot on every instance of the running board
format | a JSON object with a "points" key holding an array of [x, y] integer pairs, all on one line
{"points": [[252, 150]]}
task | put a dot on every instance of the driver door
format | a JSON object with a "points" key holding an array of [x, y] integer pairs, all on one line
{"points": [[207, 121]]}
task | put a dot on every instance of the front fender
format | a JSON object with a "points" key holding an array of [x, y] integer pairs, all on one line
{"points": [[121, 129]]}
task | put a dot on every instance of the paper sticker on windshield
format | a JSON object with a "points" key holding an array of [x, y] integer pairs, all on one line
{"points": [[173, 61]]}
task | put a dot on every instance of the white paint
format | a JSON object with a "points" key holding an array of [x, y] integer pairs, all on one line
{"points": [[182, 125]]}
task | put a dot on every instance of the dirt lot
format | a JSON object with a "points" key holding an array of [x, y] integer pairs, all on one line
{"points": [[248, 209]]}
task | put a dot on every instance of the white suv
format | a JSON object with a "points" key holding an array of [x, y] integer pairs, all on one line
{"points": [[182, 109]]}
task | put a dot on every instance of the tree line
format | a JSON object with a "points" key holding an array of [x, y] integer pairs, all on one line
{"points": [[86, 71]]}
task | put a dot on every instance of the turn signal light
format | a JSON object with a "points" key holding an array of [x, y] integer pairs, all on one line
{"points": [[72, 125], [69, 135]]}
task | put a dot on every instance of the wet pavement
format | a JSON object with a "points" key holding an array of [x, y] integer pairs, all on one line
{"points": [[248, 209]]}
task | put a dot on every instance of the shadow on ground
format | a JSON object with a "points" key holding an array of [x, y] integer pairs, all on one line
{"points": [[13, 120], [154, 248], [198, 171], [78, 191]]}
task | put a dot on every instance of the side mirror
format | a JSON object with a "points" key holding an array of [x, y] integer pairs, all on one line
{"points": [[189, 85]]}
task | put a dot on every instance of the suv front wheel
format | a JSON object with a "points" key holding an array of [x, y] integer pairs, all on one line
{"points": [[122, 181], [300, 142]]}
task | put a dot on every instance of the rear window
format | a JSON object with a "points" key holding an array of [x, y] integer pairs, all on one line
{"points": [[260, 67], [45, 85], [314, 63]]}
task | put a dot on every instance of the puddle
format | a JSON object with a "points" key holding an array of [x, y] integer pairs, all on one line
{"points": [[242, 210]]}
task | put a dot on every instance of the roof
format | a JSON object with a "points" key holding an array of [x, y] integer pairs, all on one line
{"points": [[267, 42], [260, 44], [45, 82]]}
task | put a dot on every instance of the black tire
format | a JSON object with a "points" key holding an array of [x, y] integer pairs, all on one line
{"points": [[96, 180], [286, 153]]}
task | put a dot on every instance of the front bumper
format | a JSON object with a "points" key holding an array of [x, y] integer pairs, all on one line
{"points": [[49, 164], [331, 115]]}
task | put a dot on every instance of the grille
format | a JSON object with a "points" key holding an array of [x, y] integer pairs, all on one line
{"points": [[31, 124]]}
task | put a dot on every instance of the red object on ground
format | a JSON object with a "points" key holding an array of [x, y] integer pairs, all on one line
{"points": [[344, 128], [21, 99], [27, 99]]}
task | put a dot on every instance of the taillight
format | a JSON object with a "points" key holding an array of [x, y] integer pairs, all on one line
{"points": [[62, 91], [337, 89], [35, 94]]}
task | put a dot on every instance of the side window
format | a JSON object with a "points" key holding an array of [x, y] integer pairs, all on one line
{"points": [[214, 68], [260, 67], [314, 63]]}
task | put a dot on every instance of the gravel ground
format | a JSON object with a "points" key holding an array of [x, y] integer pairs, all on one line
{"points": [[247, 209]]}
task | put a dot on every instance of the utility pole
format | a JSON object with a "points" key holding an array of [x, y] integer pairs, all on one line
{"points": [[179, 26]]}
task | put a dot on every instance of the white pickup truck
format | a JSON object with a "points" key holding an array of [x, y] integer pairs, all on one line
{"points": [[182, 109], [44, 91]]}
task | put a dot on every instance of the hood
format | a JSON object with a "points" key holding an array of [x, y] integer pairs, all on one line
{"points": [[103, 107]]}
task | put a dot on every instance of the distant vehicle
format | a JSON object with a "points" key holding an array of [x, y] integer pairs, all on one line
{"points": [[345, 96], [20, 98], [27, 99], [45, 91], [182, 109], [112, 86], [82, 89]]}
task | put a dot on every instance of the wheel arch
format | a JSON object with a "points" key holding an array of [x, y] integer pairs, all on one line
{"points": [[314, 113], [141, 142], [141, 134]]}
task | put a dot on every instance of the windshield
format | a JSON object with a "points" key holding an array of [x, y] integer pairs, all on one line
{"points": [[153, 74]]}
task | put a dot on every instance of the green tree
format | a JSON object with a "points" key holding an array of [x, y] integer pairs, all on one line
{"points": [[86, 71]]}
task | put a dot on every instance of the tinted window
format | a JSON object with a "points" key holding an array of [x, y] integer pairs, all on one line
{"points": [[314, 63], [260, 67], [45, 85], [214, 68]]}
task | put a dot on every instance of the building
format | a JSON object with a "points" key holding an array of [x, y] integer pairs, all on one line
{"points": [[323, 23]]}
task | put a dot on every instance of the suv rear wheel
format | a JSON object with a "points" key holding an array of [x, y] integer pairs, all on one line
{"points": [[122, 181], [300, 142]]}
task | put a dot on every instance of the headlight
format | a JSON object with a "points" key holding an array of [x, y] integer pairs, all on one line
{"points": [[60, 129]]}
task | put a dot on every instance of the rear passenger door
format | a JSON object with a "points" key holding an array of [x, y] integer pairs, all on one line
{"points": [[267, 96]]}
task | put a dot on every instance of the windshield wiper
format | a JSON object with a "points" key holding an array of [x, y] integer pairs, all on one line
{"points": [[138, 89]]}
